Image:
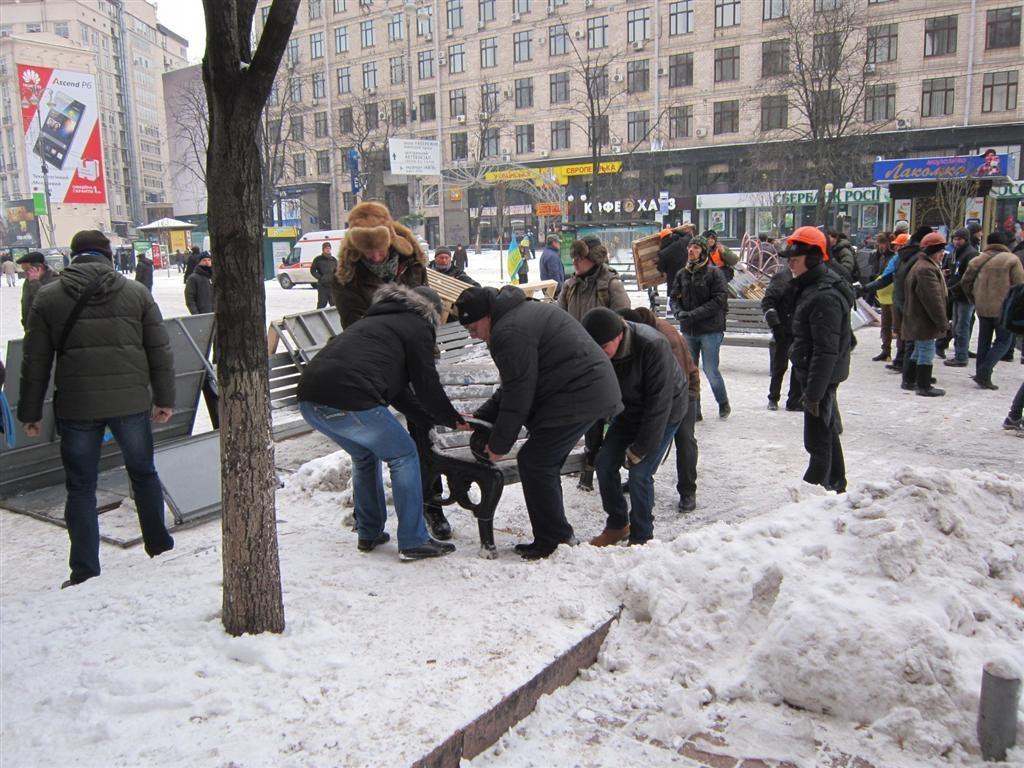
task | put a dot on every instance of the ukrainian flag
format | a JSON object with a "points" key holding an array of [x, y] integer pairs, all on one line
{"points": [[513, 261]]}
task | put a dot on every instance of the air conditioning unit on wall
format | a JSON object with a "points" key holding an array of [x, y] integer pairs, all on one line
{"points": [[700, 133]]}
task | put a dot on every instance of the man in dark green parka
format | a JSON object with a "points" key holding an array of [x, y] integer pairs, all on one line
{"points": [[108, 359]]}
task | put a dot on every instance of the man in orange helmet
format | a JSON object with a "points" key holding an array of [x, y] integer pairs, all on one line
{"points": [[820, 352]]}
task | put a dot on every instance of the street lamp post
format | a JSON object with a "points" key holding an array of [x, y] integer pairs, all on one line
{"points": [[36, 99], [410, 11]]}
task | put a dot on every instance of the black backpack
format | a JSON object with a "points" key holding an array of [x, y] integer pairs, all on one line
{"points": [[1011, 314]]}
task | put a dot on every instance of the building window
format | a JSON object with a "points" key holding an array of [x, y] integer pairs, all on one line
{"points": [[344, 78], [369, 75], [428, 107], [680, 70], [597, 32], [487, 12], [425, 64], [524, 93], [937, 97], [825, 52], [638, 76], [680, 122], [638, 125], [454, 14], [367, 37], [323, 162], [727, 64], [425, 21], [521, 6], [299, 165], [457, 102], [456, 59], [638, 25], [297, 129], [774, 113], [316, 45], [490, 143], [560, 134], [295, 90], [396, 69], [61, 29], [827, 5], [398, 111], [825, 107], [600, 134], [319, 85], [396, 27], [348, 201], [999, 92], [522, 46], [1002, 28], [291, 52], [726, 117], [727, 13], [559, 85], [316, 9], [774, 58], [940, 35], [882, 43], [371, 116], [460, 146], [339, 6], [488, 52], [597, 82], [880, 103], [680, 17], [524, 139], [775, 9], [489, 98], [558, 40], [340, 39]]}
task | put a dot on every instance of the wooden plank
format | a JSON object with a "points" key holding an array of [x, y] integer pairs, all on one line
{"points": [[547, 287], [645, 261]]}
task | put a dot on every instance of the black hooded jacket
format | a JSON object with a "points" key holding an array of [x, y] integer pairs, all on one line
{"points": [[779, 302], [961, 258], [672, 256], [822, 338], [552, 373], [376, 361], [704, 294], [199, 291]]}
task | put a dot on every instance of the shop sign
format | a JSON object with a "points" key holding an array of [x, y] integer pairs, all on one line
{"points": [[282, 232], [629, 205], [910, 169], [549, 209], [1013, 189], [560, 173], [790, 198]]}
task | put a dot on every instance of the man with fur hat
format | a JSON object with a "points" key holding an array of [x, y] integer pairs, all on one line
{"points": [[554, 380], [376, 251], [924, 310], [700, 299], [654, 399], [37, 274], [594, 283], [114, 370], [387, 358]]}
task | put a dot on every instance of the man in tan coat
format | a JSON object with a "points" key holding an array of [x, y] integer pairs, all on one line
{"points": [[986, 282], [924, 310]]}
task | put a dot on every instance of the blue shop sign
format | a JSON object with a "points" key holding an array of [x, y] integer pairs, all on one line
{"points": [[988, 166]]}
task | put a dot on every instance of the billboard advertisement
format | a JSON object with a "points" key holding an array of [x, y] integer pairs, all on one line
{"points": [[21, 227], [62, 131], [990, 165]]}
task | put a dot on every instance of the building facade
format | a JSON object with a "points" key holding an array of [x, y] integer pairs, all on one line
{"points": [[130, 50]]}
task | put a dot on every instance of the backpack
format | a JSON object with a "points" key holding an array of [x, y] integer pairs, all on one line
{"points": [[1011, 314]]}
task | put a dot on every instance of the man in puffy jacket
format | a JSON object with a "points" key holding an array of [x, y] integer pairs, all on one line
{"points": [[37, 274], [551, 267], [199, 287], [963, 310], [322, 269], [594, 283], [820, 353], [144, 271], [777, 305], [555, 381], [114, 371], [672, 251], [700, 299], [924, 311], [842, 255], [654, 399]]}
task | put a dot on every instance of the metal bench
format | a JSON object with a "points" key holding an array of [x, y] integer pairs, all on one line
{"points": [[744, 321]]}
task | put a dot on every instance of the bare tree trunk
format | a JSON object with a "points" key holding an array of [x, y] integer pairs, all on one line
{"points": [[237, 91]]}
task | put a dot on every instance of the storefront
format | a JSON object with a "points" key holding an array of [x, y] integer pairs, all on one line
{"points": [[1007, 204], [858, 211]]}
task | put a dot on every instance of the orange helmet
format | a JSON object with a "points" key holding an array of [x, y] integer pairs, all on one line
{"points": [[809, 236], [901, 239], [932, 238]]}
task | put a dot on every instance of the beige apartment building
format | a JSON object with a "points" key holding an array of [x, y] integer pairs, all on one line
{"points": [[129, 50], [691, 91]]}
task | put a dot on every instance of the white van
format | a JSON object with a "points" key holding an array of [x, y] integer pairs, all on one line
{"points": [[295, 267]]}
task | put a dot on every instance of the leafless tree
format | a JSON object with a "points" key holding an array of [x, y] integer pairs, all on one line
{"points": [[278, 137], [190, 125], [950, 200], [366, 128], [238, 82]]}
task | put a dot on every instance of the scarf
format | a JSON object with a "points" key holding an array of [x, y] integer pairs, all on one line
{"points": [[693, 266], [386, 270]]}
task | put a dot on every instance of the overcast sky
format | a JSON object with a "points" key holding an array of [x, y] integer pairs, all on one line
{"points": [[185, 17]]}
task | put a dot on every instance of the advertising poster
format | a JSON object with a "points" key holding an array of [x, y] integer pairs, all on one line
{"points": [[869, 217], [901, 210], [717, 219], [973, 210], [62, 130], [21, 227]]}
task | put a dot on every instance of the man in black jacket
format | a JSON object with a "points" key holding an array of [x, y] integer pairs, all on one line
{"points": [[37, 274], [199, 287], [672, 252], [144, 271], [554, 380], [114, 370], [778, 304], [654, 400], [820, 353], [700, 297], [191, 262], [963, 309], [443, 263], [387, 358], [322, 269]]}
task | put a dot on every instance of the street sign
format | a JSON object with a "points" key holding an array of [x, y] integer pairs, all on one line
{"points": [[353, 170], [415, 157], [549, 209]]}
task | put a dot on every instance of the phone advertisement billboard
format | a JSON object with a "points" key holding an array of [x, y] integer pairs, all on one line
{"points": [[62, 131]]}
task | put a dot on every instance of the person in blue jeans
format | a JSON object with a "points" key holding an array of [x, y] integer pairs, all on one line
{"points": [[654, 399], [963, 309], [344, 393], [1014, 420], [700, 297]]}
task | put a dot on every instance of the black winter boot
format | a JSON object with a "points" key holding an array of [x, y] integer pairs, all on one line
{"points": [[924, 383], [910, 369]]}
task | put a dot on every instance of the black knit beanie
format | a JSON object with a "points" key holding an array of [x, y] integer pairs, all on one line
{"points": [[602, 324], [91, 240]]}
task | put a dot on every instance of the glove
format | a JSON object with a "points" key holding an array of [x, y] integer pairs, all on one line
{"points": [[778, 334], [631, 459], [478, 444], [684, 315], [810, 406]]}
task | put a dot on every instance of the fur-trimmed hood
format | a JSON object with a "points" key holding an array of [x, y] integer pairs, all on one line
{"points": [[392, 298], [371, 228]]}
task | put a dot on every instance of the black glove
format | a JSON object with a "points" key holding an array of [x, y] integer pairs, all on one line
{"points": [[631, 459], [810, 406], [478, 444], [684, 315]]}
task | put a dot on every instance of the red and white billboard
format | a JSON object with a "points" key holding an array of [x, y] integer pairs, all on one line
{"points": [[62, 130]]}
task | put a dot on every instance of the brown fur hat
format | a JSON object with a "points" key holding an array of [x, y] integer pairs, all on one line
{"points": [[371, 228]]}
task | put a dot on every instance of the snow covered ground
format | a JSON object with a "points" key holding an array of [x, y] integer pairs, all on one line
{"points": [[777, 622]]}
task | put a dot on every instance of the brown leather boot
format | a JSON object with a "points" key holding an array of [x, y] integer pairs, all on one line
{"points": [[610, 536]]}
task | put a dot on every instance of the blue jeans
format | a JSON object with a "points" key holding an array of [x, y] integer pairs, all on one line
{"points": [[963, 323], [80, 443], [924, 352], [1017, 406], [639, 514], [709, 344], [370, 437], [991, 351]]}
